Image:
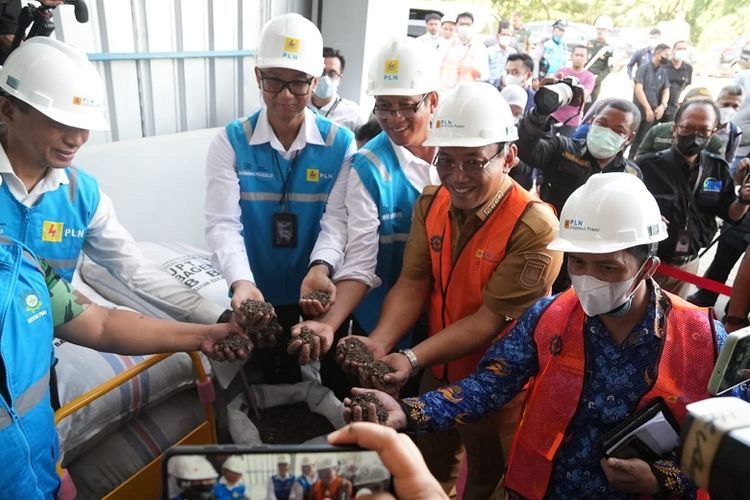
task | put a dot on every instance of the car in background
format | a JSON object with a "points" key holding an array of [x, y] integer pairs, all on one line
{"points": [[575, 33]]}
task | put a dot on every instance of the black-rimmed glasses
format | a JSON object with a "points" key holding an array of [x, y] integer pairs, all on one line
{"points": [[404, 112], [446, 165], [276, 85]]}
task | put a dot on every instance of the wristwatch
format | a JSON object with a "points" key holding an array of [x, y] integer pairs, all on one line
{"points": [[413, 361], [736, 320], [320, 262]]}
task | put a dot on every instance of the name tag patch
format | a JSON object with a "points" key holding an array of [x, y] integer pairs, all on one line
{"points": [[712, 185]]}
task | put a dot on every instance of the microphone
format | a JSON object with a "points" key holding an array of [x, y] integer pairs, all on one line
{"points": [[81, 10]]}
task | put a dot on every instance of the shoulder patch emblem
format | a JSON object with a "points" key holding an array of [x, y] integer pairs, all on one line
{"points": [[534, 269]]}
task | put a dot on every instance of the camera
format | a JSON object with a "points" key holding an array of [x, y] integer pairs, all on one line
{"points": [[550, 98], [715, 447]]}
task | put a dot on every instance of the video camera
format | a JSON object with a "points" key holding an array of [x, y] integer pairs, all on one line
{"points": [[716, 432], [550, 98], [716, 447]]}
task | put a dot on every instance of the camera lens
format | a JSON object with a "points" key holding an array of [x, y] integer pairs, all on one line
{"points": [[551, 97]]}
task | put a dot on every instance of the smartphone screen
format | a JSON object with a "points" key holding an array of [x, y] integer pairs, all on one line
{"points": [[284, 473], [733, 366]]}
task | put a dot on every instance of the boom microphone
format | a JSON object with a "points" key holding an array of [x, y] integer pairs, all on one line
{"points": [[81, 10]]}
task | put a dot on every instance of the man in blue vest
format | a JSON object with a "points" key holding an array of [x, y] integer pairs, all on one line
{"points": [[51, 97], [269, 176], [280, 484], [35, 303], [387, 176]]}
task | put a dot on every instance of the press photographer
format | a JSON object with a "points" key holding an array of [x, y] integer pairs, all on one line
{"points": [[567, 163]]}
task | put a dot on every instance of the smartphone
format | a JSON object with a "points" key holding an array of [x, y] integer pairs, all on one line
{"points": [[733, 366], [290, 471]]}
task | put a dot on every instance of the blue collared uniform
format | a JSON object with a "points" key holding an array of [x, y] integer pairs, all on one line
{"points": [[394, 196], [304, 182], [55, 227], [28, 440]]}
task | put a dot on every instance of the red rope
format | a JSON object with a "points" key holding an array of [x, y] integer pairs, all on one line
{"points": [[699, 281]]}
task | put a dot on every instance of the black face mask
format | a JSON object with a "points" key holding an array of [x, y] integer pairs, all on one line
{"points": [[692, 144], [664, 60]]}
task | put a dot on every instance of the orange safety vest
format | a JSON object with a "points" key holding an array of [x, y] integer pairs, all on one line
{"points": [[457, 288], [685, 366], [318, 492]]}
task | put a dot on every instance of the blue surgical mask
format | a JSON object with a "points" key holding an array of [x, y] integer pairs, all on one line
{"points": [[326, 87], [603, 142], [556, 38]]}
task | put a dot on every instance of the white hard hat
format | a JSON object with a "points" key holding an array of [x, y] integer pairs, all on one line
{"points": [[306, 461], [611, 212], [604, 22], [283, 459], [234, 464], [57, 80], [403, 66], [326, 463], [473, 115], [290, 41], [515, 94], [193, 467]]}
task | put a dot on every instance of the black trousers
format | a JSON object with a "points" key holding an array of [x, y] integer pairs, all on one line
{"points": [[726, 257]]}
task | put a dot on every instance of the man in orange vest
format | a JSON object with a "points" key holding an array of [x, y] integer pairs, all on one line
{"points": [[476, 258], [330, 486], [597, 353]]}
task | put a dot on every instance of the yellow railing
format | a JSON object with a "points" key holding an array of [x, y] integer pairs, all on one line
{"points": [[99, 391]]}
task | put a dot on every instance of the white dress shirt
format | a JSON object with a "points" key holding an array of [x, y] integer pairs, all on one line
{"points": [[111, 246], [362, 235], [223, 224], [342, 112]]}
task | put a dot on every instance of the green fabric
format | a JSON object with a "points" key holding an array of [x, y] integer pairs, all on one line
{"points": [[65, 304]]}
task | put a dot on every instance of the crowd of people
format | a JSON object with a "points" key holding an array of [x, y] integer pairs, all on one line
{"points": [[486, 186]]}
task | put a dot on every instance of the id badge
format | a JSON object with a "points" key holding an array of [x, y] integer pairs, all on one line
{"points": [[284, 227], [682, 247]]}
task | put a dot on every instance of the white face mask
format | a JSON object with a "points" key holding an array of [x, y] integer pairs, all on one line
{"points": [[726, 114], [465, 32], [603, 142], [504, 40], [680, 55], [326, 87], [514, 80], [600, 297]]}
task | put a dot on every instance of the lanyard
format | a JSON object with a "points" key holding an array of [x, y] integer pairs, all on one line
{"points": [[689, 195], [284, 178], [336, 103]]}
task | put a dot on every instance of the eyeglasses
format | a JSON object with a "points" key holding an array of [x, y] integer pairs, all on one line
{"points": [[446, 165], [332, 74], [703, 132], [276, 85], [404, 112]]}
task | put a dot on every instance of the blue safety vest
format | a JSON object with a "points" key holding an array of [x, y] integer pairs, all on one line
{"points": [[381, 174], [55, 227], [282, 487], [224, 492], [305, 483], [310, 176], [28, 440], [556, 55]]}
